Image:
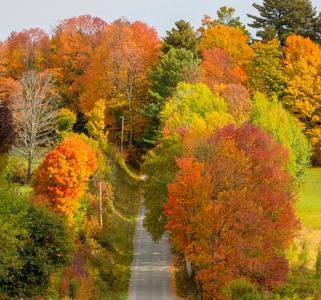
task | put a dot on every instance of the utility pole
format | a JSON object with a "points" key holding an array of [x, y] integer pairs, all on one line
{"points": [[122, 134], [100, 206]]}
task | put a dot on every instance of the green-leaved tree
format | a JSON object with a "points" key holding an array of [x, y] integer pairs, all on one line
{"points": [[281, 18]]}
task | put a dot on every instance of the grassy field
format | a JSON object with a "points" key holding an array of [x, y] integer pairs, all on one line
{"points": [[309, 205], [309, 212]]}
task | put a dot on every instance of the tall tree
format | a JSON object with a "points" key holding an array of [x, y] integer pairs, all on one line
{"points": [[96, 123], [265, 72], [72, 44], [182, 37], [35, 104], [286, 17], [27, 50], [230, 39], [231, 214], [118, 74], [21, 52], [302, 94], [176, 65], [270, 115]]}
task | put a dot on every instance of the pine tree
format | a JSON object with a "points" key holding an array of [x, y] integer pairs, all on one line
{"points": [[182, 37], [175, 66], [287, 17]]}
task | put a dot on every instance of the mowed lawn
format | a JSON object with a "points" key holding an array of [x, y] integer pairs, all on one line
{"points": [[309, 204]]}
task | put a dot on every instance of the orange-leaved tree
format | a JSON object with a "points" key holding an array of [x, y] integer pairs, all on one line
{"points": [[72, 44], [230, 39], [60, 179], [27, 50], [118, 74], [219, 69], [231, 213], [226, 54], [22, 52], [302, 94]]}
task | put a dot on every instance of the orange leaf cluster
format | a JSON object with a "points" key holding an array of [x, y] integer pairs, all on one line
{"points": [[60, 179]]}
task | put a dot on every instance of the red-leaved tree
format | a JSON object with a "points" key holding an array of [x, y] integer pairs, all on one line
{"points": [[231, 215]]}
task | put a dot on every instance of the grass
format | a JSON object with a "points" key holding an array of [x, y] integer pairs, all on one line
{"points": [[308, 210], [309, 205]]}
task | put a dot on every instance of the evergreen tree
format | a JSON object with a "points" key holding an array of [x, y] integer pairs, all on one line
{"points": [[175, 66], [287, 17], [182, 37]]}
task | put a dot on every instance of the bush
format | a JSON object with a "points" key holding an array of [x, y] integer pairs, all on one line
{"points": [[34, 243], [242, 288]]}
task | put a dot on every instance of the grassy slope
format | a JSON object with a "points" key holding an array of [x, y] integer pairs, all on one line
{"points": [[126, 203], [309, 212], [309, 205]]}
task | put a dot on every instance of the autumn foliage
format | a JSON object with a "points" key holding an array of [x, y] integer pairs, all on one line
{"points": [[302, 68], [231, 213], [72, 44], [60, 179], [118, 74]]}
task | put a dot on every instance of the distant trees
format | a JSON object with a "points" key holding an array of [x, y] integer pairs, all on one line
{"points": [[118, 74], [35, 107], [72, 45], [280, 19]]}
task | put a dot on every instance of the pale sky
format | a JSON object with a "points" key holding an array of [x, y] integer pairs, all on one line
{"points": [[16, 15]]}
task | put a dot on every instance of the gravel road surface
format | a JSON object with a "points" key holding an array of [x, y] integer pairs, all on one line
{"points": [[150, 266]]}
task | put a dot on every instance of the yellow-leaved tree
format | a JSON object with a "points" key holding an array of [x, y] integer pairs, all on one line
{"points": [[96, 123], [302, 95]]}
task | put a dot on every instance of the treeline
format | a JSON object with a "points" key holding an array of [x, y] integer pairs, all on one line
{"points": [[133, 71]]}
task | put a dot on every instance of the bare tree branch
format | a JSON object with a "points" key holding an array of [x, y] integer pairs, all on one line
{"points": [[35, 106]]}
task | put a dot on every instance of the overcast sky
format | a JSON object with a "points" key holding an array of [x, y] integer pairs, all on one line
{"points": [[16, 15]]}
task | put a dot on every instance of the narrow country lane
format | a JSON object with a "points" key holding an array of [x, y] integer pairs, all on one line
{"points": [[150, 266]]}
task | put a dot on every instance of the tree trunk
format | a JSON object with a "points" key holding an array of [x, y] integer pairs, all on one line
{"points": [[198, 284], [129, 96], [29, 169]]}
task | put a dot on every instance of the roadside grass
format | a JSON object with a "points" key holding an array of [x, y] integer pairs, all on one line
{"points": [[127, 192]]}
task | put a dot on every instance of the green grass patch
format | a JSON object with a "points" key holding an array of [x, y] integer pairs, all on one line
{"points": [[309, 205]]}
